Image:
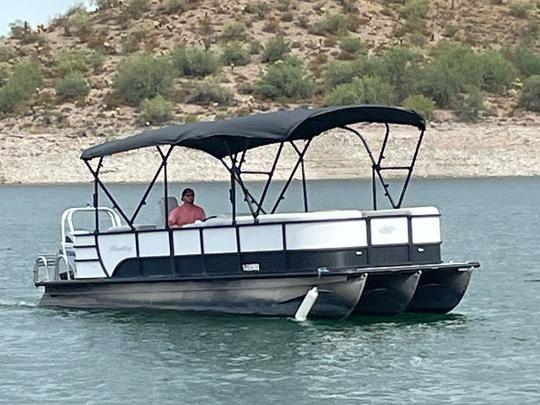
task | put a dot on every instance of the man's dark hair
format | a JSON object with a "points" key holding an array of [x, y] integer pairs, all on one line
{"points": [[186, 191]]}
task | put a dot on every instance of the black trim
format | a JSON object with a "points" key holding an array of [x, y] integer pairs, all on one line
{"points": [[281, 261], [372, 271]]}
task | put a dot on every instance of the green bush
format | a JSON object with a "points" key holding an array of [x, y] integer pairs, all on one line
{"points": [[143, 76], [454, 68], [235, 54], [195, 62], [80, 24], [527, 60], [332, 24], [234, 31], [350, 46], [414, 12], [71, 61], [366, 90], [288, 80], [209, 92], [337, 73], [530, 96], [259, 8], [520, 8], [275, 49], [24, 79], [104, 4], [497, 72], [72, 86], [177, 6], [156, 110], [400, 67], [136, 8], [471, 105], [7, 52], [421, 104]]}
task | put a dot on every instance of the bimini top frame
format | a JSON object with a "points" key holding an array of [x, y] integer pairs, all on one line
{"points": [[229, 140]]}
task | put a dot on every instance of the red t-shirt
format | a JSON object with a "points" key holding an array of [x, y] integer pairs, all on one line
{"points": [[186, 214]]}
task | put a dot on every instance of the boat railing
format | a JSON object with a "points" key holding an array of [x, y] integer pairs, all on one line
{"points": [[46, 268], [69, 232], [409, 244]]}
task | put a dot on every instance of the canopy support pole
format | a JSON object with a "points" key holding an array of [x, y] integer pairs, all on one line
{"points": [[269, 180], [303, 170], [107, 193], [152, 182], [295, 168], [376, 168]]}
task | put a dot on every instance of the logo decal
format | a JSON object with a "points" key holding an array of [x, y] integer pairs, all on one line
{"points": [[387, 230]]}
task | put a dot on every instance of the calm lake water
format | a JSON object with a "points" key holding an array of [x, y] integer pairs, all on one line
{"points": [[486, 351]]}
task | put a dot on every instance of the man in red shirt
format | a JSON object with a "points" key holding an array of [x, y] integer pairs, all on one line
{"points": [[188, 212]]}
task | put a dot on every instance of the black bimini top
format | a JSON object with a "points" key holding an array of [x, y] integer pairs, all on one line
{"points": [[226, 137]]}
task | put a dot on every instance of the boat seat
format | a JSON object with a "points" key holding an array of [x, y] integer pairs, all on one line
{"points": [[172, 204]]}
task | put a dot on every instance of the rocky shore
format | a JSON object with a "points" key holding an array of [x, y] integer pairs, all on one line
{"points": [[449, 150]]}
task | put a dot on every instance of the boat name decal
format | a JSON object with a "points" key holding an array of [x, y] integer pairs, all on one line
{"points": [[120, 248], [251, 267], [386, 230]]}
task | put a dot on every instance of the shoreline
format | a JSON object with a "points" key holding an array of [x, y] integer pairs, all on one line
{"points": [[449, 150]]}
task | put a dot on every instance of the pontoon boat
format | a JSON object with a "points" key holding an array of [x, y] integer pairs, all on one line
{"points": [[375, 261]]}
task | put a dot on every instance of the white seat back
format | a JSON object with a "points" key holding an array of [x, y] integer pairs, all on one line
{"points": [[172, 203]]}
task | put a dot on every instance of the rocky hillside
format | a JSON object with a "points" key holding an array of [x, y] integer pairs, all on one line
{"points": [[93, 75], [314, 31]]}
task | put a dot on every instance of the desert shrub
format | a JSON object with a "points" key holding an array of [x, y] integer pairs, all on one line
{"points": [[271, 25], [527, 60], [530, 96], [332, 24], [497, 72], [5, 72], [337, 73], [454, 67], [24, 79], [78, 60], [71, 61], [95, 60], [7, 52], [104, 4], [18, 28], [195, 62], [235, 54], [520, 8], [255, 47], [234, 31], [72, 86], [144, 35], [414, 12], [471, 105], [275, 49], [209, 91], [284, 5], [136, 8], [350, 46], [421, 104], [365, 90], [400, 67], [288, 80], [155, 110], [178, 6], [259, 8], [143, 76], [79, 24]]}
